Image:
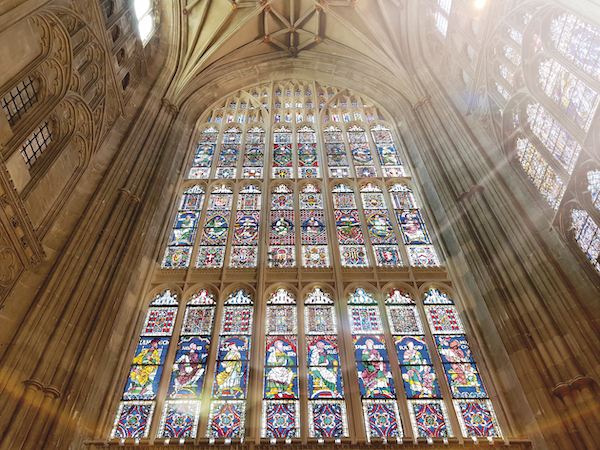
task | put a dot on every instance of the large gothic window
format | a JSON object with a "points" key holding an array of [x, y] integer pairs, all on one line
{"points": [[296, 190], [544, 81]]}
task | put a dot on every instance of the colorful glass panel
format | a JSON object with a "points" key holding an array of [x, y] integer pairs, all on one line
{"points": [[313, 232], [429, 418], [361, 152], [282, 153], [382, 419], [179, 246], [226, 419], [133, 420], [179, 419], [254, 153], [244, 252], [387, 152], [587, 235], [204, 153]]}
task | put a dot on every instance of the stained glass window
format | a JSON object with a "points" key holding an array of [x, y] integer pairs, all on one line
{"points": [[136, 409], [512, 55], [281, 406], [205, 151], [227, 413], [179, 246], [244, 249], [326, 406], [182, 408], [587, 235], [230, 150], [540, 172], [282, 250], [387, 152], [428, 414], [349, 233], [335, 149], [282, 153], [254, 153], [381, 415], [416, 238], [313, 231], [575, 98], [471, 401], [578, 41], [361, 153], [216, 226], [379, 227], [308, 165]]}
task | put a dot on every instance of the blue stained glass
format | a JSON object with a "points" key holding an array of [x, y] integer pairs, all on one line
{"points": [[281, 420], [382, 419], [420, 382], [133, 420], [189, 367], [477, 418], [226, 419], [370, 348], [380, 228], [464, 381], [413, 227], [180, 420], [429, 419], [327, 420]]}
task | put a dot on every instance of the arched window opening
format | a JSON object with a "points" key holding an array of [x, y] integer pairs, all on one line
{"points": [[20, 99], [313, 231], [244, 251], [213, 240], [227, 415], [138, 402], [282, 237], [349, 233], [37, 143]]}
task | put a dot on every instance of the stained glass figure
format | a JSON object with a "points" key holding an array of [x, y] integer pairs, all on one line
{"points": [[575, 98], [460, 368], [361, 152], [204, 153], [179, 246], [254, 153], [541, 174], [381, 232], [416, 238], [282, 153], [327, 418], [136, 410], [244, 251], [372, 363], [180, 416], [230, 149], [280, 416], [282, 229], [555, 138], [387, 152]]}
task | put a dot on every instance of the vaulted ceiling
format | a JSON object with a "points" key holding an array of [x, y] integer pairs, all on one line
{"points": [[213, 33]]}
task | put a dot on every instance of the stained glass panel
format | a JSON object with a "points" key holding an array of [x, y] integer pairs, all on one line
{"points": [[226, 419], [429, 418], [204, 153], [133, 420], [281, 419], [387, 152], [179, 419], [327, 419], [382, 419], [587, 235]]}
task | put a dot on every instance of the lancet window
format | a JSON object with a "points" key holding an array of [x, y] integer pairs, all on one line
{"points": [[20, 99]]}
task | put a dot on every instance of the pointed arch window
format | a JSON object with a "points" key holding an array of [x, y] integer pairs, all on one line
{"points": [[471, 401], [428, 414], [244, 250], [282, 237], [381, 415], [254, 153], [361, 153], [387, 152], [349, 233], [416, 238], [313, 231], [134, 415], [327, 416], [281, 406], [205, 151], [307, 153], [230, 150], [379, 226], [216, 227], [337, 161], [181, 411], [227, 413], [282, 153], [179, 246]]}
